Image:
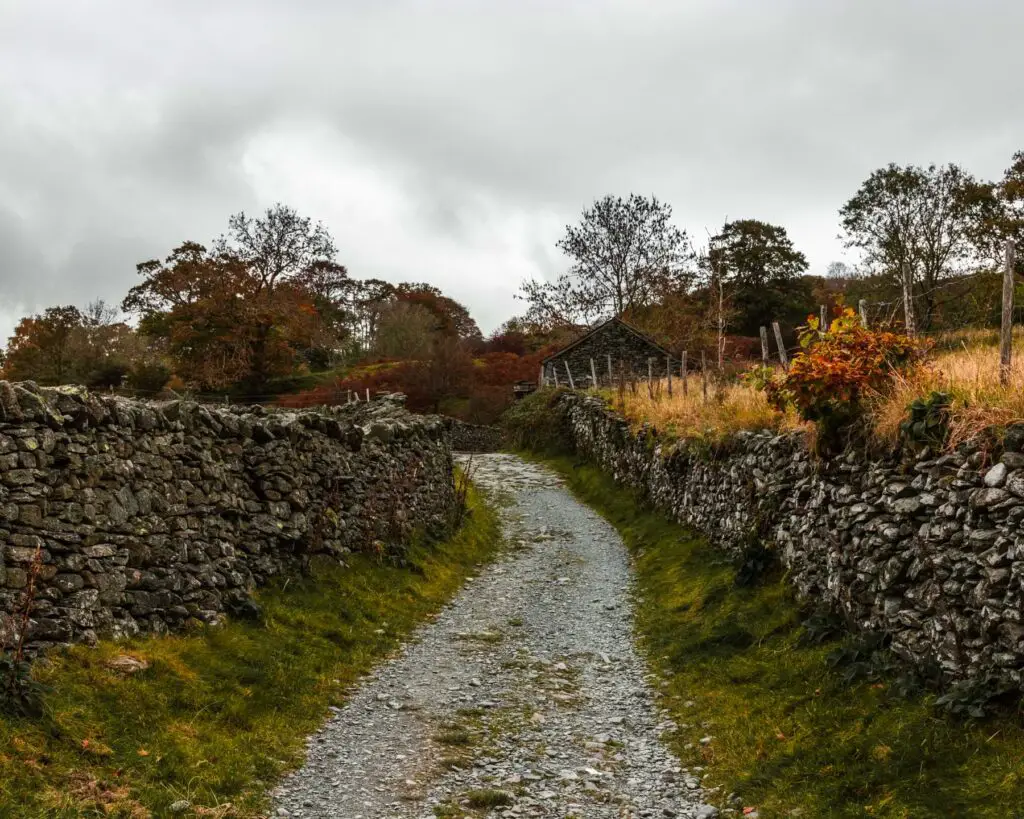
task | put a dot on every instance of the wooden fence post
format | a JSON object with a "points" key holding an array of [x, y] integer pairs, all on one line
{"points": [[1006, 333], [650, 378], [908, 299], [764, 345], [862, 305], [704, 374], [568, 372], [668, 371], [683, 374], [593, 373], [823, 320], [782, 347]]}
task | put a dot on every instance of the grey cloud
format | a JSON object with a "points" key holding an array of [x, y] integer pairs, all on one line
{"points": [[124, 127]]}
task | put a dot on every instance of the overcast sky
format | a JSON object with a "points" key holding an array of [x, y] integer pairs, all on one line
{"points": [[450, 142]]}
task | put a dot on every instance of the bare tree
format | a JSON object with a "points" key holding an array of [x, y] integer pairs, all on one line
{"points": [[625, 252]]}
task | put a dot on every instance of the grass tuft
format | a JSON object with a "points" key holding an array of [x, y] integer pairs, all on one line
{"points": [[219, 715], [488, 798], [789, 735]]}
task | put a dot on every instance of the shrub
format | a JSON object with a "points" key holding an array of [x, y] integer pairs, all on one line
{"points": [[928, 420], [149, 377], [107, 374], [838, 368], [537, 422]]}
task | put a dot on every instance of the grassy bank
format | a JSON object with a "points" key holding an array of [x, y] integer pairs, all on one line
{"points": [[788, 733], [219, 715], [964, 366]]}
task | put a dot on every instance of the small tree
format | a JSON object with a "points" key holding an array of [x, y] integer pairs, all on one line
{"points": [[625, 254]]}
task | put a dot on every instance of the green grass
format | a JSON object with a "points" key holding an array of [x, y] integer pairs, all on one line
{"points": [[220, 714], [488, 798], [788, 734]]}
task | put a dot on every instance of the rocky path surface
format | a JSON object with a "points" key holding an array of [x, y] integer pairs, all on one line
{"points": [[524, 698]]}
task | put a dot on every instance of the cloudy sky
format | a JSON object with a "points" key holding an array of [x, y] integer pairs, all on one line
{"points": [[451, 141]]}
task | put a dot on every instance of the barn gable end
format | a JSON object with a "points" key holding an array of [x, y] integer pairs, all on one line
{"points": [[628, 347]]}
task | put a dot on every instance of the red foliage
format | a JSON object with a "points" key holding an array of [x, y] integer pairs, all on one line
{"points": [[479, 389]]}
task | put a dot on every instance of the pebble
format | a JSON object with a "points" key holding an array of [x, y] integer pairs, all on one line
{"points": [[559, 710]]}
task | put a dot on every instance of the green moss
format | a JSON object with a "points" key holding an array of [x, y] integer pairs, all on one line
{"points": [[220, 714], [788, 733]]}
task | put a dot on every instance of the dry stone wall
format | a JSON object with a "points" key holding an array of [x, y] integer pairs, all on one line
{"points": [[474, 437], [148, 515], [929, 548]]}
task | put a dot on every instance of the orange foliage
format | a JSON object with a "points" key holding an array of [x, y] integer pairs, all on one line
{"points": [[829, 378]]}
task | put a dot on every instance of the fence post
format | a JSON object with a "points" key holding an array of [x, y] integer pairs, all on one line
{"points": [[862, 305], [704, 374], [823, 321], [683, 374], [650, 378], [568, 372], [764, 345], [593, 373], [782, 347], [367, 395], [611, 372], [668, 370], [908, 300], [1006, 333]]}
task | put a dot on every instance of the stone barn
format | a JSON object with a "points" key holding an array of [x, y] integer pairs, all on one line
{"points": [[627, 347]]}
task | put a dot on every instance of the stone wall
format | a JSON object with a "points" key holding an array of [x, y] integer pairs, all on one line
{"points": [[626, 348], [148, 515], [474, 437], [927, 548]]}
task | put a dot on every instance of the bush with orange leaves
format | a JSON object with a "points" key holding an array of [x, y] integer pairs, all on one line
{"points": [[837, 368]]}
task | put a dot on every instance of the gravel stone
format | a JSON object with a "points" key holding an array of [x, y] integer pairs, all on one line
{"points": [[527, 686]]}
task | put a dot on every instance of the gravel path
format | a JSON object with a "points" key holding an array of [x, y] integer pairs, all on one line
{"points": [[525, 697]]}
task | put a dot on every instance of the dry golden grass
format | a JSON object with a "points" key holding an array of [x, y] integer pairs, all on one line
{"points": [[729, 408], [965, 365], [970, 375]]}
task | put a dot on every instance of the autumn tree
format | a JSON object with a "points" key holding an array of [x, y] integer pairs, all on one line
{"points": [[42, 348], [626, 253], [291, 263], [405, 330], [451, 318], [364, 302], [754, 266], [932, 219], [195, 307], [267, 293]]}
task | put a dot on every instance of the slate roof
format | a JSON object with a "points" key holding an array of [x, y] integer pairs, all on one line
{"points": [[597, 328]]}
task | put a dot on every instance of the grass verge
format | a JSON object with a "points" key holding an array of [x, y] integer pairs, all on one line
{"points": [[788, 734], [220, 714]]}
